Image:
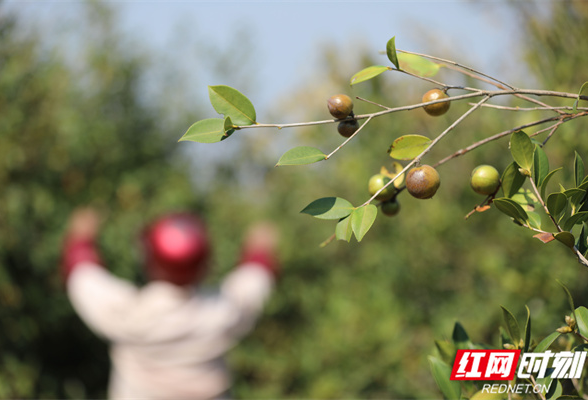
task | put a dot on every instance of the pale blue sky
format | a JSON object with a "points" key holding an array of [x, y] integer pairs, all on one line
{"points": [[287, 34]]}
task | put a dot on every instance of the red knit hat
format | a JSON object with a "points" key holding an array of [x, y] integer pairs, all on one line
{"points": [[177, 249]]}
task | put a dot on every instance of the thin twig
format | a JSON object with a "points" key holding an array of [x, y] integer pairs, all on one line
{"points": [[479, 93], [536, 191], [458, 65], [349, 138], [473, 146], [531, 108], [553, 129], [418, 158]]}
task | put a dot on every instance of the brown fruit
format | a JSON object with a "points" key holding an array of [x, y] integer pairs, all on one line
{"points": [[348, 127], [422, 182], [439, 108], [340, 106]]}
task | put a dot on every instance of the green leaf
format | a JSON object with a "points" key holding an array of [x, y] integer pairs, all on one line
{"points": [[575, 219], [581, 316], [546, 342], [540, 166], [546, 181], [329, 208], [368, 73], [417, 65], [300, 156], [578, 169], [556, 204], [391, 52], [446, 350], [582, 244], [512, 326], [460, 338], [408, 147], [534, 219], [525, 198], [512, 209], [209, 130], [512, 180], [566, 238], [569, 295], [584, 86], [230, 102], [522, 150], [362, 219], [441, 372], [527, 331], [343, 230], [228, 127]]}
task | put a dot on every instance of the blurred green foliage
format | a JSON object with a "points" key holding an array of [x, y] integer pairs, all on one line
{"points": [[346, 321]]}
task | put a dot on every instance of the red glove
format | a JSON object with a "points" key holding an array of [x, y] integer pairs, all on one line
{"points": [[79, 245], [76, 251], [260, 248]]}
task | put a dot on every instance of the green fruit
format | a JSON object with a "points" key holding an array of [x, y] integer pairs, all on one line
{"points": [[377, 182], [439, 108], [340, 106], [422, 182], [485, 180], [348, 127], [390, 208]]}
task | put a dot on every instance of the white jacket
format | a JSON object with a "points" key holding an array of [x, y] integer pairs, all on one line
{"points": [[168, 341]]}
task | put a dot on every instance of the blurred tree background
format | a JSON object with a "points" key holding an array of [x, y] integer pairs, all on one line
{"points": [[349, 320]]}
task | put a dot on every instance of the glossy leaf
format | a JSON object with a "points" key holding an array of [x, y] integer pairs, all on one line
{"points": [[512, 180], [230, 102], [575, 219], [566, 238], [391, 52], [460, 338], [546, 342], [343, 230], [408, 147], [446, 350], [209, 130], [368, 73], [512, 326], [441, 372], [534, 219], [578, 169], [417, 65], [556, 204], [329, 208], [582, 244], [522, 150], [569, 296], [526, 199], [540, 166], [512, 209], [527, 331], [362, 219], [546, 181], [581, 315], [300, 156], [581, 92]]}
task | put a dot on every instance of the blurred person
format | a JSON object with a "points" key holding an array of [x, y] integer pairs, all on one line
{"points": [[168, 338]]}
